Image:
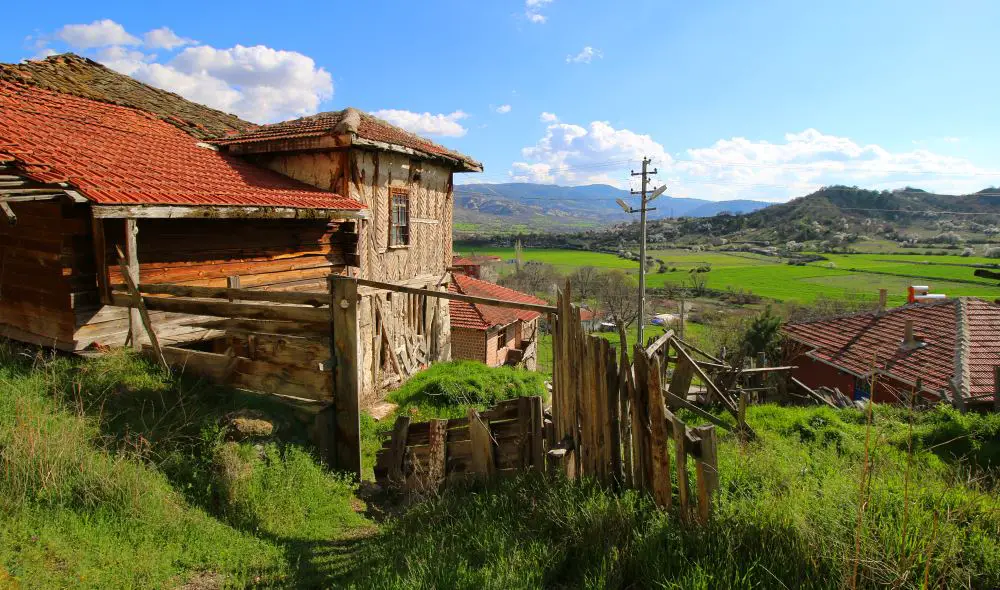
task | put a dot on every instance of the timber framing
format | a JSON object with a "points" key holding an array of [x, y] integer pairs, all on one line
{"points": [[220, 212]]}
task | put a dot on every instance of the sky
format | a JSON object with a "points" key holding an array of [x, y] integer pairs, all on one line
{"points": [[764, 100]]}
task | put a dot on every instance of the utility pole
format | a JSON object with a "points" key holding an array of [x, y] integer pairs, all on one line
{"points": [[646, 198]]}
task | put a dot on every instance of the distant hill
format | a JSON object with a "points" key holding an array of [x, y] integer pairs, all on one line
{"points": [[838, 214], [484, 208]]}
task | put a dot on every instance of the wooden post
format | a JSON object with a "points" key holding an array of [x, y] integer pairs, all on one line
{"points": [[483, 461], [346, 391], [742, 415], [233, 282], [660, 437], [438, 437], [680, 445], [101, 259], [613, 393], [132, 263], [707, 470], [624, 372], [397, 450]]}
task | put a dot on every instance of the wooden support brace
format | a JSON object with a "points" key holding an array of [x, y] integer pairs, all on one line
{"points": [[11, 218], [139, 308], [681, 452], [346, 390], [397, 450], [707, 471]]}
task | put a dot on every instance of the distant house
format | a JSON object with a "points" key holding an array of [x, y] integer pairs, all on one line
{"points": [[493, 335], [949, 347], [590, 319], [472, 265]]}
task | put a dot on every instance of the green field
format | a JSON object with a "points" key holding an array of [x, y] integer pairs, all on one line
{"points": [[843, 275]]}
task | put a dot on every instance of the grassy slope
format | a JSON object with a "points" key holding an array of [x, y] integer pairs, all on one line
{"points": [[117, 476]]}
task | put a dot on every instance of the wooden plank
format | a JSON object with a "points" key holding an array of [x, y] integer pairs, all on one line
{"points": [[131, 267], [400, 432], [813, 394], [707, 471], [455, 296], [221, 212], [710, 357], [725, 397], [143, 314], [680, 456], [100, 259], [225, 309], [245, 326], [483, 461], [346, 389], [660, 437], [436, 456], [680, 381], [232, 294], [613, 400], [624, 384], [537, 434], [641, 424]]}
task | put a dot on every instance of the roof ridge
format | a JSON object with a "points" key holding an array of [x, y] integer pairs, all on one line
{"points": [[963, 378], [884, 313], [474, 306]]}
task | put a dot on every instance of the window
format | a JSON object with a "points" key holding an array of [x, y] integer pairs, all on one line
{"points": [[399, 217]]}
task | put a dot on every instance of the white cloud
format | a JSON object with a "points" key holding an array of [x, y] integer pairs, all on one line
{"points": [[572, 154], [164, 38], [426, 123], [547, 118], [951, 139], [503, 109], [257, 83], [739, 168], [586, 55], [532, 10], [100, 33]]}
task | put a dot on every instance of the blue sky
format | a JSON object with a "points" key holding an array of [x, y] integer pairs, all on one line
{"points": [[764, 100]]}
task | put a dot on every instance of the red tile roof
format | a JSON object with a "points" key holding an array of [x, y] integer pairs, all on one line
{"points": [[960, 335], [349, 120], [481, 317], [115, 155]]}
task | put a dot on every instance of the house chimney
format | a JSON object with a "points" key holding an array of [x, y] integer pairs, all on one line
{"points": [[910, 341], [882, 295]]}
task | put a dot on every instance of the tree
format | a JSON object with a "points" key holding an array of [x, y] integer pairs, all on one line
{"points": [[698, 281], [584, 279], [533, 277], [618, 294]]}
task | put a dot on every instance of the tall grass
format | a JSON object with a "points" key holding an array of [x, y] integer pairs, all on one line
{"points": [[115, 474], [786, 516]]}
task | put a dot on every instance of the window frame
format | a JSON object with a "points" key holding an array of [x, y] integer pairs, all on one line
{"points": [[404, 237]]}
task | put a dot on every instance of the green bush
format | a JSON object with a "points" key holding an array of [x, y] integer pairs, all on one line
{"points": [[447, 389]]}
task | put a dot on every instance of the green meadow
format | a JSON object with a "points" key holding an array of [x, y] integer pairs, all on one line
{"points": [[841, 276]]}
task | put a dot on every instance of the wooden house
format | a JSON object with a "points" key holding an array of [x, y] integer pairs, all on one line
{"points": [[493, 335], [92, 161]]}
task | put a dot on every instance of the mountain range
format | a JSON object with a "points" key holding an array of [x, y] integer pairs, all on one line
{"points": [[546, 207]]}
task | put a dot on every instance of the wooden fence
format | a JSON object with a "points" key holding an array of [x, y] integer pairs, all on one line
{"points": [[504, 439], [611, 422]]}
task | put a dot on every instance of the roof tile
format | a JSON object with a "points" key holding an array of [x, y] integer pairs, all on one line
{"points": [[481, 317]]}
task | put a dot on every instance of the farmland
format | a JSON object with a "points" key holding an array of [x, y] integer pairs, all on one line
{"points": [[840, 276]]}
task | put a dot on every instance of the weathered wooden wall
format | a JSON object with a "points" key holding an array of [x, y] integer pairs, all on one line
{"points": [[271, 254], [44, 272]]}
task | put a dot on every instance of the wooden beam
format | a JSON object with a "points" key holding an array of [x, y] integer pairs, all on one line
{"points": [[707, 471], [224, 309], [231, 294], [131, 266], [687, 344], [659, 343], [397, 449], [11, 218], [768, 369], [451, 296], [700, 412], [138, 306], [19, 198], [343, 315], [220, 212]]}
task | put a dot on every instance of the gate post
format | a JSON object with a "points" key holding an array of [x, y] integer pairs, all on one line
{"points": [[345, 452]]}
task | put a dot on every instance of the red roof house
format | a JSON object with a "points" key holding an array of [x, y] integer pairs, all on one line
{"points": [[950, 348], [493, 335]]}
